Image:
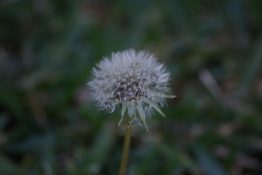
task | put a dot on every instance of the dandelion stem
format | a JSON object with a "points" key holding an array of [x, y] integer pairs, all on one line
{"points": [[125, 153]]}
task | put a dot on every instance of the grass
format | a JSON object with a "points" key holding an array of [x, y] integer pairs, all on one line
{"points": [[49, 126]]}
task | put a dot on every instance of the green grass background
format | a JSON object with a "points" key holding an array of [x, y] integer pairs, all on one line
{"points": [[49, 126]]}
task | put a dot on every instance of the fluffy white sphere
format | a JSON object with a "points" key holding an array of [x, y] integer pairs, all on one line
{"points": [[135, 81]]}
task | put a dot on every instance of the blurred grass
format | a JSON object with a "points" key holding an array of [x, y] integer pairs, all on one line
{"points": [[49, 126]]}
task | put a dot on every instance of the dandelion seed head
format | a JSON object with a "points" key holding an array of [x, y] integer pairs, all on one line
{"points": [[135, 81]]}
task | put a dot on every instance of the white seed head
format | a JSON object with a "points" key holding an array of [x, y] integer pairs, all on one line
{"points": [[135, 81]]}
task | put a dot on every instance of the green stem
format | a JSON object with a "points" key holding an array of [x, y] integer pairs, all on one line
{"points": [[125, 153]]}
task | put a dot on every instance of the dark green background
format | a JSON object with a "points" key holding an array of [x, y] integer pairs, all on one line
{"points": [[49, 126]]}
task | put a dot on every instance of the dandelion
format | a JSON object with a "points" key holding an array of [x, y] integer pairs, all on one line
{"points": [[136, 83], [133, 81]]}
